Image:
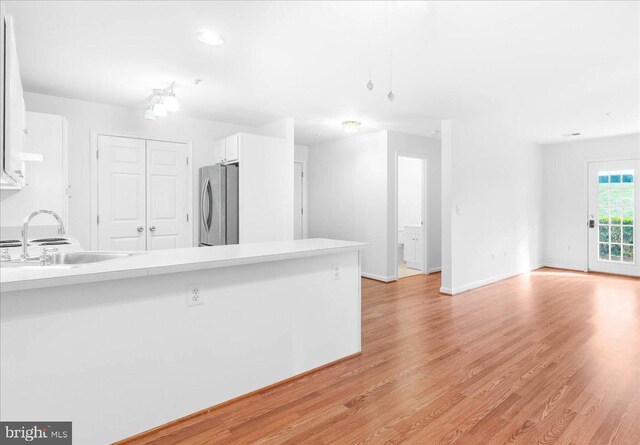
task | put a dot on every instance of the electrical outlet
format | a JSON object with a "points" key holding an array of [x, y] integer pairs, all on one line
{"points": [[194, 298], [336, 272]]}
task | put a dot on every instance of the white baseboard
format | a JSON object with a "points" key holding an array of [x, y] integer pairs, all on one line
{"points": [[378, 277], [435, 269], [446, 290], [490, 280], [564, 266]]}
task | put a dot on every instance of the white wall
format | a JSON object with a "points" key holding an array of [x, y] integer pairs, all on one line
{"points": [[348, 196], [565, 195], [446, 128], [429, 149], [284, 129], [409, 192], [496, 205], [352, 195], [83, 117]]}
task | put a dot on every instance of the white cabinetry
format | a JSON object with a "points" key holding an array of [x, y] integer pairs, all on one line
{"points": [[46, 186], [13, 133], [226, 150], [413, 246]]}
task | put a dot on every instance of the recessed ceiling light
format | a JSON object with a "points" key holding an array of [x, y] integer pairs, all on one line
{"points": [[351, 126], [209, 38]]}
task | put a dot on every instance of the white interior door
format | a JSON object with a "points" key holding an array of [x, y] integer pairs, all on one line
{"points": [[614, 202], [297, 200], [166, 195], [121, 193]]}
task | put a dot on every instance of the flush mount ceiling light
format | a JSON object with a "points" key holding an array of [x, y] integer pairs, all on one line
{"points": [[351, 126], [160, 102], [209, 38]]}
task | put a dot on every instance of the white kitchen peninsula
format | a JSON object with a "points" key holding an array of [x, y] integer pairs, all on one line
{"points": [[115, 348]]}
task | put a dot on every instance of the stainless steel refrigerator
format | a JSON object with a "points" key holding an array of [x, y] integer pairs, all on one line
{"points": [[218, 205]]}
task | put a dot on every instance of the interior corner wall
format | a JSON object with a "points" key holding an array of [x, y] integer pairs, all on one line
{"points": [[446, 206], [565, 196], [404, 144], [284, 128], [496, 205], [83, 117], [348, 196]]}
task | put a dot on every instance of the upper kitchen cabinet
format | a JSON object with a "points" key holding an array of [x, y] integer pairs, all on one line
{"points": [[13, 130], [227, 150]]}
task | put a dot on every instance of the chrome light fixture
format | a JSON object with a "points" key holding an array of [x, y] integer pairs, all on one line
{"points": [[160, 102]]}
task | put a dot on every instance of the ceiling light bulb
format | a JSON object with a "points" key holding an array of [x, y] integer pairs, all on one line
{"points": [[170, 103], [149, 114], [159, 110], [351, 126], [210, 38]]}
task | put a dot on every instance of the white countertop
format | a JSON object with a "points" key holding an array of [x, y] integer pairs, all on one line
{"points": [[169, 261]]}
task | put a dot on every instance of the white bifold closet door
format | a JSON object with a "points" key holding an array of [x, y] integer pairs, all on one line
{"points": [[142, 194]]}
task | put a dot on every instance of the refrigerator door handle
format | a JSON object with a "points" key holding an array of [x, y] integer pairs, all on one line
{"points": [[210, 216], [205, 186]]}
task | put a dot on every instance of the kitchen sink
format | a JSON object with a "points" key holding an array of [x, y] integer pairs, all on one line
{"points": [[71, 259], [79, 258]]}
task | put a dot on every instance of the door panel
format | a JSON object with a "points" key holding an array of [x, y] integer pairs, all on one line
{"points": [[614, 202], [166, 195], [297, 200], [121, 193]]}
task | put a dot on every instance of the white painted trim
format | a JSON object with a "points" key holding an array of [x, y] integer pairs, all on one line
{"points": [[446, 290], [190, 185], [93, 181], [563, 266], [435, 269], [491, 280], [425, 209], [305, 199], [378, 277], [586, 191]]}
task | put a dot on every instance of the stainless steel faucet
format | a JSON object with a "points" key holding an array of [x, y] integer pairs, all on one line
{"points": [[25, 229]]}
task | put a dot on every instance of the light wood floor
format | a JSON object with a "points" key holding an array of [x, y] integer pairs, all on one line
{"points": [[550, 357]]}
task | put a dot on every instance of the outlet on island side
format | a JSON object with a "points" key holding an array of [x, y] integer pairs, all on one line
{"points": [[336, 272], [193, 295]]}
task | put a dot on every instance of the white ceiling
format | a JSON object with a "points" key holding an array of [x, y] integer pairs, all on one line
{"points": [[535, 69]]}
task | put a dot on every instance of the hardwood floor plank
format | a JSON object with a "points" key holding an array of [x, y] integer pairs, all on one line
{"points": [[550, 357]]}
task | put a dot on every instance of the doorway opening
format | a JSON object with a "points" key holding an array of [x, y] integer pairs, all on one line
{"points": [[411, 216], [298, 200]]}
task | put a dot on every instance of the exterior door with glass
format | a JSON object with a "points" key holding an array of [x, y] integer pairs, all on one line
{"points": [[614, 203]]}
